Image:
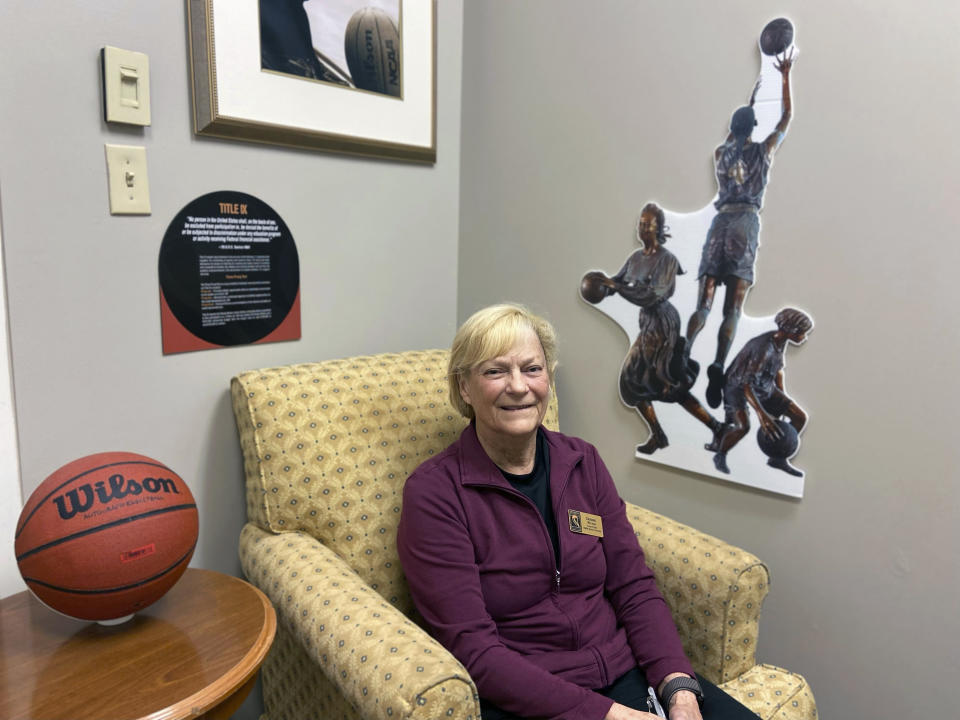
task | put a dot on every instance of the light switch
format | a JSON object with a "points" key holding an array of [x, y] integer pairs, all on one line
{"points": [[127, 180], [126, 86]]}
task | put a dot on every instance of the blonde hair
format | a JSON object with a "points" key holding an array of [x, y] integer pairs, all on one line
{"points": [[490, 333]]}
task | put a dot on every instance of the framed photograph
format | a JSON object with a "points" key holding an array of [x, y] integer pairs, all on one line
{"points": [[347, 76]]}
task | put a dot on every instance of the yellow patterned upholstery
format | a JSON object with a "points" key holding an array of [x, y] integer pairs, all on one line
{"points": [[327, 447], [773, 692], [715, 591]]}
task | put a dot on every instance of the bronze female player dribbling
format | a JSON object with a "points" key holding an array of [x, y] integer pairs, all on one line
{"points": [[755, 378]]}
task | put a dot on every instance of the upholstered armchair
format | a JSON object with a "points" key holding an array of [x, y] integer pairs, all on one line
{"points": [[326, 448]]}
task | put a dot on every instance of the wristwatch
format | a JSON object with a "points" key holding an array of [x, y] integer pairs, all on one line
{"points": [[676, 685]]}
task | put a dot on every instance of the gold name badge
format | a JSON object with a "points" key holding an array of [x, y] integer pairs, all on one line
{"points": [[585, 523]]}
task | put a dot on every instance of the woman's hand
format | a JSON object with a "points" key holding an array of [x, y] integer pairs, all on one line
{"points": [[622, 712], [684, 706]]}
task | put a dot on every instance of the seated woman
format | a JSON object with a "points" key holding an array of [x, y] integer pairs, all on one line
{"points": [[520, 557]]}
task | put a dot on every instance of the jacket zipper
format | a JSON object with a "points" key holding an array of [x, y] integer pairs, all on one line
{"points": [[575, 631], [545, 533], [558, 502], [543, 527]]}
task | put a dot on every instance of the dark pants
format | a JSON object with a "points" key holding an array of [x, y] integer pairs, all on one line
{"points": [[630, 689]]}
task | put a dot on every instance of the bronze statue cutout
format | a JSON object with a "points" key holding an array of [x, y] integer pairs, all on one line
{"points": [[742, 167], [651, 300], [658, 366], [755, 378]]}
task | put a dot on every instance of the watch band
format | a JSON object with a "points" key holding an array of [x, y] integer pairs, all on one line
{"points": [[676, 685]]}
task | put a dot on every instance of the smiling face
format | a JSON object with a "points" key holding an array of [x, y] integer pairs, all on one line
{"points": [[509, 394]]}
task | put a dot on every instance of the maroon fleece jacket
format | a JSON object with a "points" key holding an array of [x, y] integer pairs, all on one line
{"points": [[535, 638]]}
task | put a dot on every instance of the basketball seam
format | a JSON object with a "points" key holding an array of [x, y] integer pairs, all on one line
{"points": [[103, 591], [77, 477], [98, 528], [353, 50], [381, 55]]}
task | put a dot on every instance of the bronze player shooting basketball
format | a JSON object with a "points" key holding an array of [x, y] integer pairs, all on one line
{"points": [[730, 250]]}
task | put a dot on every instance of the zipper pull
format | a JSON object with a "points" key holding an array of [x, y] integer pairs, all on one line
{"points": [[558, 579]]}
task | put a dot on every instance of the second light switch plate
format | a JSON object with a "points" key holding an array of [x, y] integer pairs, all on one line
{"points": [[127, 178]]}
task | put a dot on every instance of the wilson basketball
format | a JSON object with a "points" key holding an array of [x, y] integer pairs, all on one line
{"points": [[592, 288], [776, 36], [372, 46], [106, 535], [783, 447]]}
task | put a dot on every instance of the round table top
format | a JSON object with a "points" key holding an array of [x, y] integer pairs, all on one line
{"points": [[180, 657]]}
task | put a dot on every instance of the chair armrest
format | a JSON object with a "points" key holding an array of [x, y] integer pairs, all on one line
{"points": [[715, 591], [384, 664], [774, 693]]}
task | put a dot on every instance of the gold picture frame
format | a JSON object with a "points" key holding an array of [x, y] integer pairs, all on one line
{"points": [[234, 98]]}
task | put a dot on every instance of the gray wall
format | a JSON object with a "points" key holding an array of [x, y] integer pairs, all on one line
{"points": [[10, 580], [377, 243], [575, 114]]}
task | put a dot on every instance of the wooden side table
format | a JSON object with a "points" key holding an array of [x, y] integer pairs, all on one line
{"points": [[194, 653]]}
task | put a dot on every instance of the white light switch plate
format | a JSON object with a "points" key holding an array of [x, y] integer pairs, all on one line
{"points": [[127, 179], [126, 86]]}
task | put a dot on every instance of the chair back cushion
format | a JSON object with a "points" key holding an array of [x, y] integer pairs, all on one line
{"points": [[327, 447]]}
